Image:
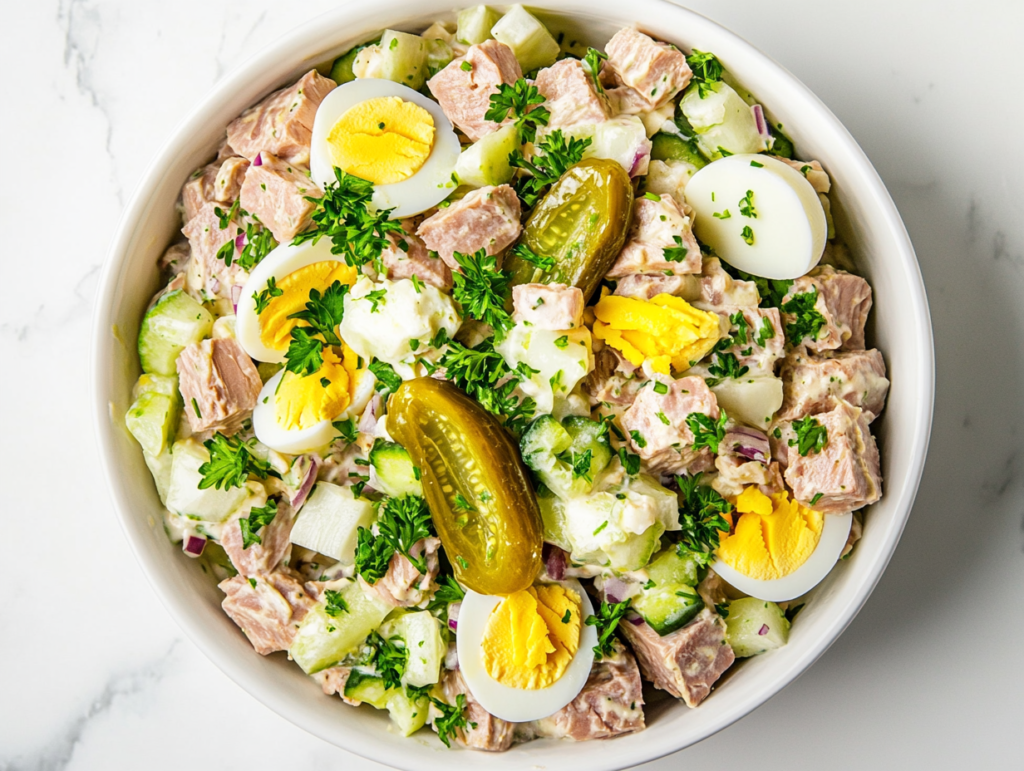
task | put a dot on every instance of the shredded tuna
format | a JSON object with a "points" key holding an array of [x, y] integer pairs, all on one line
{"points": [[274, 545], [718, 288], [570, 95], [219, 384], [465, 94], [407, 256], [277, 192], [332, 680], [548, 306], [645, 74], [403, 586], [813, 384], [813, 171], [208, 276], [843, 300], [643, 286], [656, 227], [487, 218], [613, 379], [217, 182], [483, 731], [267, 608]]}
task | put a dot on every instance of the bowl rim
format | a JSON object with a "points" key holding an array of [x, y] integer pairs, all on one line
{"points": [[288, 48]]}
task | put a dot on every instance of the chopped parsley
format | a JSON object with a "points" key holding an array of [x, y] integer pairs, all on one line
{"points": [[766, 333], [706, 70], [388, 380], [376, 298], [482, 290], [629, 461], [817, 497], [451, 719], [701, 516], [525, 253], [568, 613], [466, 67], [555, 154], [251, 525], [592, 64], [638, 439], [808, 320], [659, 387], [562, 342], [336, 604], [402, 521], [523, 100], [264, 296], [706, 432], [726, 366], [811, 436], [389, 657], [483, 374], [721, 215], [747, 235], [747, 205], [231, 462], [607, 621], [347, 429], [675, 253]]}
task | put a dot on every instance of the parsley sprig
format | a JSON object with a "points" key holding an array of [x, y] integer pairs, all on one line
{"points": [[265, 295], [258, 518], [523, 100], [700, 515], [323, 313], [483, 374], [592, 64], [231, 462], [555, 155], [451, 719], [808, 322], [482, 289], [402, 522], [706, 70], [607, 621], [388, 380], [526, 254], [389, 657], [706, 431], [811, 436]]}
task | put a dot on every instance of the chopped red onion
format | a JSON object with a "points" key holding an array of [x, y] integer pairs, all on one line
{"points": [[554, 562], [240, 242], [193, 545], [763, 630], [236, 294], [453, 625], [762, 124], [215, 285], [258, 160], [747, 443], [614, 590], [636, 620], [453, 616], [308, 479], [640, 160], [368, 422]]}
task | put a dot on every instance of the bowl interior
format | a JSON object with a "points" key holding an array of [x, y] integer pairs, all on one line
{"points": [[867, 220]]}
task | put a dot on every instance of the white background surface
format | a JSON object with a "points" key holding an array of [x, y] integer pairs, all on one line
{"points": [[95, 675]]}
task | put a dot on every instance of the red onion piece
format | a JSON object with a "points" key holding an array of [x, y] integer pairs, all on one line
{"points": [[762, 124], [308, 480], [240, 242], [554, 561], [193, 545], [258, 160], [368, 422], [453, 616], [636, 620], [763, 630], [747, 443], [639, 161], [215, 285], [614, 590], [236, 294]]}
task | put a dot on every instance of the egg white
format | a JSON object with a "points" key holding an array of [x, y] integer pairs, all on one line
{"points": [[424, 189], [283, 260], [514, 704], [834, 532]]}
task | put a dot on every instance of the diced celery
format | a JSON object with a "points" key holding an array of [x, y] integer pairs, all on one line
{"points": [[475, 24], [756, 626], [485, 162], [152, 419], [528, 38], [322, 640], [329, 521], [183, 494], [167, 328]]}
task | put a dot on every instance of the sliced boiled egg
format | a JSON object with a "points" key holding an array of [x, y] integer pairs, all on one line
{"points": [[294, 413], [526, 656], [779, 549], [391, 136], [759, 215], [292, 271]]}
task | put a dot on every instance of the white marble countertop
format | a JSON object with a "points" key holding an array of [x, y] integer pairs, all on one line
{"points": [[93, 672]]}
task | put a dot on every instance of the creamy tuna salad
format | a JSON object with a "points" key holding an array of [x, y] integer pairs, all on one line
{"points": [[500, 379]]}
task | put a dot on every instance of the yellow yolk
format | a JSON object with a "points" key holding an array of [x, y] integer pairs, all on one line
{"points": [[275, 326], [383, 140], [665, 330], [773, 537], [304, 401], [526, 643]]}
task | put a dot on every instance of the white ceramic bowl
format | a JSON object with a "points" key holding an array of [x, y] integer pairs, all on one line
{"points": [[865, 214]]}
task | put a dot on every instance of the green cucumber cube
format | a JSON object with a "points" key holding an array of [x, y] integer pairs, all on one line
{"points": [[395, 471], [403, 59], [183, 494], [485, 162], [475, 24], [175, 322], [322, 641], [673, 567], [421, 633], [528, 38], [668, 607], [755, 626], [408, 714], [152, 419], [367, 689]]}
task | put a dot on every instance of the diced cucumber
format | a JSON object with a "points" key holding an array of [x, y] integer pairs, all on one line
{"points": [[753, 400], [475, 24], [722, 121], [756, 626], [485, 162], [783, 145], [396, 473], [667, 607], [673, 567], [322, 641], [160, 468], [421, 633], [528, 38], [183, 494], [589, 435], [330, 519], [267, 370], [631, 551], [403, 59], [367, 688], [167, 328], [152, 419], [158, 384], [407, 713], [668, 147], [552, 512], [341, 71], [439, 55]]}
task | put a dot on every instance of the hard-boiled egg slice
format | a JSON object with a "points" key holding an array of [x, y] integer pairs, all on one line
{"points": [[778, 536], [390, 135], [295, 270], [759, 215], [519, 704], [295, 416]]}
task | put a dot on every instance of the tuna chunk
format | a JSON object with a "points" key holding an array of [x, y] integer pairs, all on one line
{"points": [[483, 730], [656, 423], [407, 256], [652, 72], [643, 286], [219, 384], [207, 276], [465, 93], [812, 170], [736, 473], [757, 337], [570, 95], [718, 288], [332, 680], [267, 608], [282, 123], [277, 193], [846, 472], [610, 704], [843, 300], [658, 225], [487, 218], [219, 182], [548, 306], [613, 379], [265, 556], [687, 662], [403, 586], [174, 261], [813, 384]]}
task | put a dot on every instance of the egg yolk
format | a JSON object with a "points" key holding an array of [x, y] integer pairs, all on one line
{"points": [[302, 401], [665, 330], [773, 537], [532, 636], [383, 140], [275, 326]]}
